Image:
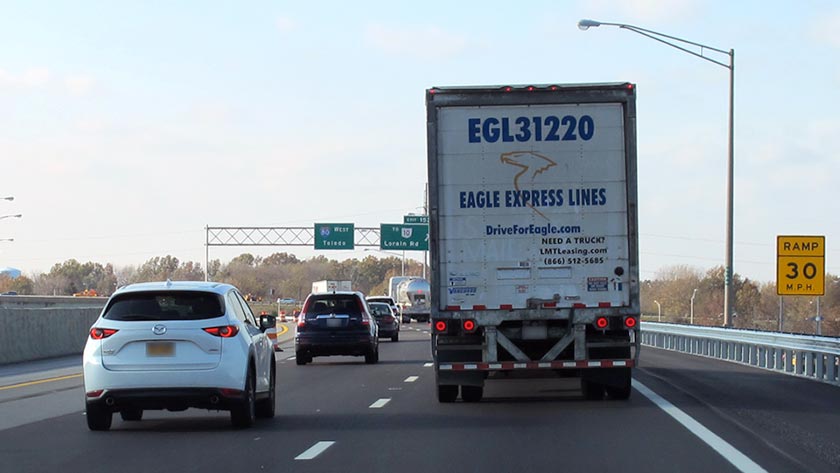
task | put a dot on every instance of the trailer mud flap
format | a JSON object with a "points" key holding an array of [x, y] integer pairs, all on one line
{"points": [[464, 378], [617, 377]]}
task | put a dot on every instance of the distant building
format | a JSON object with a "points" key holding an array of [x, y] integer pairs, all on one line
{"points": [[10, 272]]}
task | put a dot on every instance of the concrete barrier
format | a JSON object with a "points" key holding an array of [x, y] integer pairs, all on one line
{"points": [[34, 327]]}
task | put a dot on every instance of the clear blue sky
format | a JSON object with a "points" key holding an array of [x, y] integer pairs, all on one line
{"points": [[126, 127]]}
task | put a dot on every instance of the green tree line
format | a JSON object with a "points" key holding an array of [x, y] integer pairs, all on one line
{"points": [[279, 275], [757, 306], [283, 275]]}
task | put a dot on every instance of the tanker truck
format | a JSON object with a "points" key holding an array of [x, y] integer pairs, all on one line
{"points": [[413, 296]]}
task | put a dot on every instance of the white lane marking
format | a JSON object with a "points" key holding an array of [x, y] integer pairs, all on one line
{"points": [[291, 358], [727, 451], [315, 450], [380, 403], [428, 365], [411, 379]]}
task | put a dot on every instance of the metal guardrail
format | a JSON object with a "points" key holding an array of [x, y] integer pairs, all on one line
{"points": [[813, 357]]}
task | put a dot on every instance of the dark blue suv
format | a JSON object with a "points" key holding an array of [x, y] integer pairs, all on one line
{"points": [[336, 323]]}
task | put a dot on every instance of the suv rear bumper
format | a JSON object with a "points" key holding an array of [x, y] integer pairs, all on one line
{"points": [[388, 330], [326, 344], [174, 399]]}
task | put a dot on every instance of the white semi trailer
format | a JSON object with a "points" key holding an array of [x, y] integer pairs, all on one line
{"points": [[331, 286], [533, 235]]}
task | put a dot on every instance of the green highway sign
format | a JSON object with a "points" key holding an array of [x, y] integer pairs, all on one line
{"points": [[402, 236], [334, 236], [424, 219]]}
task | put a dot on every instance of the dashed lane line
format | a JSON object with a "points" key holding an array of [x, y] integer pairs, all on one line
{"points": [[380, 403], [428, 365], [315, 450], [411, 379]]}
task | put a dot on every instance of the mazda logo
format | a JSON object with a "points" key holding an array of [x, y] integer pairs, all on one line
{"points": [[159, 329]]}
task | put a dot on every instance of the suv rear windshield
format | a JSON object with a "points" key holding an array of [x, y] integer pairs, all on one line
{"points": [[386, 300], [165, 305], [379, 308], [344, 304]]}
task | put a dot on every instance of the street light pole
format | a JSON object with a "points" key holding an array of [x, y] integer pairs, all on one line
{"points": [[728, 296], [691, 319], [818, 318], [659, 308], [11, 216]]}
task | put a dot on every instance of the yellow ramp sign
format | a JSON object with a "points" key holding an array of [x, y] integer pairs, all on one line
{"points": [[800, 265]]}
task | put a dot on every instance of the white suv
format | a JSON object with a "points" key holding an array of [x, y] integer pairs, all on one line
{"points": [[176, 345]]}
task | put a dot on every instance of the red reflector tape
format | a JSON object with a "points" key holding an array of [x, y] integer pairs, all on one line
{"points": [[453, 307], [480, 307], [578, 305], [550, 305], [604, 304], [506, 307]]}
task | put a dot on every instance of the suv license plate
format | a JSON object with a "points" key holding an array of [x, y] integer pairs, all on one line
{"points": [[160, 349]]}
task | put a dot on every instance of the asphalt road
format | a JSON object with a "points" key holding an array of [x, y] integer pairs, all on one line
{"points": [[687, 414]]}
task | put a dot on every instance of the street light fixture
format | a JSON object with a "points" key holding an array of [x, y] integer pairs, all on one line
{"points": [[7, 239], [659, 307], [11, 216], [391, 253], [10, 198], [728, 296], [693, 294]]}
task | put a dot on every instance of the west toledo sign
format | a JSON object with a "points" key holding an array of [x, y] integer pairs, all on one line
{"points": [[800, 265]]}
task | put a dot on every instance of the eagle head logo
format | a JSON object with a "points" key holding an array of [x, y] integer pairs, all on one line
{"points": [[530, 165]]}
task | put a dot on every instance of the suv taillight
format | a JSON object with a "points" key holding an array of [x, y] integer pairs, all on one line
{"points": [[301, 318], [225, 331], [100, 333], [365, 316]]}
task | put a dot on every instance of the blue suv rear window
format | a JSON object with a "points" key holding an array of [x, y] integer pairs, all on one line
{"points": [[338, 304], [164, 305]]}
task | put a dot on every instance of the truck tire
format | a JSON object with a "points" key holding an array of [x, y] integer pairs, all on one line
{"points": [[301, 358], [621, 391], [447, 393], [396, 337], [620, 394], [472, 393], [591, 390]]}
